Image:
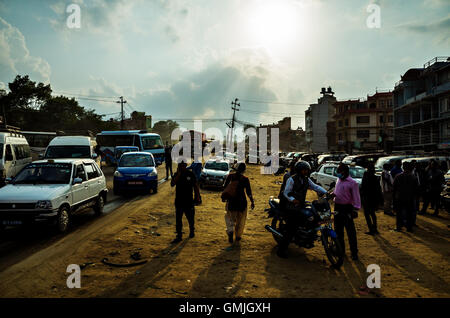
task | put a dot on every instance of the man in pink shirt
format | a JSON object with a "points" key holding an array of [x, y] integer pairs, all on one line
{"points": [[347, 202]]}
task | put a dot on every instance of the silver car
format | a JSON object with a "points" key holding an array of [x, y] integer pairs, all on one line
{"points": [[326, 174], [54, 190], [214, 173]]}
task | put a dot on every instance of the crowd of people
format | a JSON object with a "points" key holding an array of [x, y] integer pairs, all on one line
{"points": [[399, 190]]}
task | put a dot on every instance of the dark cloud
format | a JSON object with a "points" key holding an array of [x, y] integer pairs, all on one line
{"points": [[207, 93], [439, 29]]}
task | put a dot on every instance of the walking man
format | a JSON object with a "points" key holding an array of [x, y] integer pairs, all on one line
{"points": [[406, 187], [387, 182], [371, 197], [347, 202], [397, 168], [168, 160], [236, 207], [436, 180], [186, 185]]}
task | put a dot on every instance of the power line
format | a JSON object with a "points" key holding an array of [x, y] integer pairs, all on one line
{"points": [[272, 102], [92, 96]]}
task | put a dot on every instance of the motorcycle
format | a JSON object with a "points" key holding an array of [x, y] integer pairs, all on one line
{"points": [[317, 226]]}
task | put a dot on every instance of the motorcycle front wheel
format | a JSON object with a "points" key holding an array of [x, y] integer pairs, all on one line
{"points": [[333, 250], [279, 226]]}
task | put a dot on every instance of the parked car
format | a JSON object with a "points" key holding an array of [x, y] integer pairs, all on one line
{"points": [[325, 175], [362, 160], [388, 160], [214, 173], [136, 171], [53, 190], [72, 147], [15, 153], [427, 159], [120, 150], [330, 157]]}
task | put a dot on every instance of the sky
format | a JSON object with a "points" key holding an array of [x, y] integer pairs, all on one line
{"points": [[178, 59]]}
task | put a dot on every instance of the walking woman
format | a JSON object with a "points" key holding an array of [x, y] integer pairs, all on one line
{"points": [[371, 198], [236, 207]]}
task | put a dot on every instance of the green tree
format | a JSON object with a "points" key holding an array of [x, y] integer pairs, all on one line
{"points": [[164, 129]]}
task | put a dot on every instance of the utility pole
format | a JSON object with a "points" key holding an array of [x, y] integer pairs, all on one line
{"points": [[234, 107], [121, 101]]}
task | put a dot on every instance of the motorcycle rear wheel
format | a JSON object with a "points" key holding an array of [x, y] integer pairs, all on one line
{"points": [[333, 250]]}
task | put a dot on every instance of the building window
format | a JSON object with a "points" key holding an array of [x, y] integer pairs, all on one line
{"points": [[362, 119], [373, 105], [340, 136], [346, 122], [340, 123], [390, 118], [381, 119], [362, 134]]}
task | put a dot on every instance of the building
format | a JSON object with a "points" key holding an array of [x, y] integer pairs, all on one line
{"points": [[316, 118], [289, 139], [364, 125], [422, 107], [138, 121]]}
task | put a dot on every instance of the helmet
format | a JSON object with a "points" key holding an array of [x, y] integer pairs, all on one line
{"points": [[301, 165]]}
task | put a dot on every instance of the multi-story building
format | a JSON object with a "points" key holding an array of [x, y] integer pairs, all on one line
{"points": [[289, 139], [422, 107], [316, 118], [364, 125]]}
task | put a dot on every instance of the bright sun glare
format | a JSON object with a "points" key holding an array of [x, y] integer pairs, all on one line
{"points": [[274, 25]]}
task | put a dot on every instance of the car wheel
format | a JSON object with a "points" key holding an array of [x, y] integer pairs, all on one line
{"points": [[155, 189], [63, 219], [99, 205]]}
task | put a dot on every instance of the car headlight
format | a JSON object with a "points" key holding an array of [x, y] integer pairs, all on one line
{"points": [[152, 174], [44, 204], [118, 174]]}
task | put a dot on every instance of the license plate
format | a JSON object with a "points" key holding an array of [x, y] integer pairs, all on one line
{"points": [[135, 182], [12, 222]]}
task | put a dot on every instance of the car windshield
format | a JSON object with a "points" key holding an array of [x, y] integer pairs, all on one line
{"points": [[44, 173], [138, 160], [152, 142], [55, 152], [357, 173], [222, 166], [120, 152]]}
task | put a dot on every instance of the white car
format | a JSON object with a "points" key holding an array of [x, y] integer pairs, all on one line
{"points": [[214, 173], [53, 189], [325, 175]]}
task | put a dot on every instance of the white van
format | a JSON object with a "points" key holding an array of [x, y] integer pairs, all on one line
{"points": [[71, 147], [15, 153]]}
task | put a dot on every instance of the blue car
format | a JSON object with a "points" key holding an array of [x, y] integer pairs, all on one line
{"points": [[136, 171]]}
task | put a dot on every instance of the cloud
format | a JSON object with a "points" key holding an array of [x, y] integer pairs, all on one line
{"points": [[109, 18], [440, 29], [15, 57]]}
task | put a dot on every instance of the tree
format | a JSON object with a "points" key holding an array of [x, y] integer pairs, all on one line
{"points": [[164, 129]]}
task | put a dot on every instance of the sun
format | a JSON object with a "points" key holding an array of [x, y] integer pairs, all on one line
{"points": [[274, 25]]}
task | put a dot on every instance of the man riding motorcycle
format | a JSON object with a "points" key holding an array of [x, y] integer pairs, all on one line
{"points": [[293, 202]]}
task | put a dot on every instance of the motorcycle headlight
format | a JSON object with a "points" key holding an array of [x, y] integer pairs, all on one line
{"points": [[118, 174], [45, 204], [152, 174]]}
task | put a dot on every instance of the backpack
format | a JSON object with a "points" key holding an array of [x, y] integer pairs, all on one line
{"points": [[230, 190]]}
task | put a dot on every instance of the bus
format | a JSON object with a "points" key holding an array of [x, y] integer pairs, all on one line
{"points": [[38, 141], [145, 141]]}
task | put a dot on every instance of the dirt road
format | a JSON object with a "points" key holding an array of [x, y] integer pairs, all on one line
{"points": [[412, 265]]}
